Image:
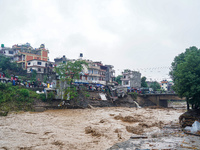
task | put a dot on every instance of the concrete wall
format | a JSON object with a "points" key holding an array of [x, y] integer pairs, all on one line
{"points": [[135, 79], [49, 77]]}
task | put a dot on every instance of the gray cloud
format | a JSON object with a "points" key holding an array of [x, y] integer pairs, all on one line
{"points": [[134, 34]]}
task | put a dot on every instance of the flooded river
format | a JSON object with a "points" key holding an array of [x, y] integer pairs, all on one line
{"points": [[80, 129]]}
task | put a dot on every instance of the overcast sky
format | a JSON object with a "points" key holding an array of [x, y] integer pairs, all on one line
{"points": [[142, 35]]}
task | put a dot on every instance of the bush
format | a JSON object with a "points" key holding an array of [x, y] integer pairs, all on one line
{"points": [[50, 96], [7, 97], [9, 84], [2, 86], [33, 94], [1, 96], [24, 93], [43, 97], [134, 95]]}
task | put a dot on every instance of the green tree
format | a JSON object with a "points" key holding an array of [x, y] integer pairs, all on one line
{"points": [[118, 79], [127, 70], [4, 63], [143, 82], [33, 75], [69, 73], [7, 66], [155, 86], [185, 72]]}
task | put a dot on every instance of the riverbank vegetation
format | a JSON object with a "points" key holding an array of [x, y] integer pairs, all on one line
{"points": [[185, 72], [15, 98]]}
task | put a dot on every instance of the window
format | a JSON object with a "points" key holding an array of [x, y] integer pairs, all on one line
{"points": [[95, 71], [39, 63], [29, 63], [10, 52], [126, 83], [90, 71], [39, 69], [23, 65]]}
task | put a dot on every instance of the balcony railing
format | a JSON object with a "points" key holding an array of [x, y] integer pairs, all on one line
{"points": [[94, 67], [94, 75], [124, 79]]}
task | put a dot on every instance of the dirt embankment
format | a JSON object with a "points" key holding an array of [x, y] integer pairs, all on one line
{"points": [[189, 117], [81, 101]]}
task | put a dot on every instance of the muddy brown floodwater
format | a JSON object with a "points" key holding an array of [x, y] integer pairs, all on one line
{"points": [[80, 129]]}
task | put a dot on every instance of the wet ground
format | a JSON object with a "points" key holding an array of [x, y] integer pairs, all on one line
{"points": [[169, 137], [94, 129]]}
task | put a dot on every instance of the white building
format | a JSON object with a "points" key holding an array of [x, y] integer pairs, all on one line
{"points": [[40, 66], [8, 52], [166, 85]]}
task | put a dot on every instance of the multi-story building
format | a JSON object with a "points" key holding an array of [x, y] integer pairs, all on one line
{"points": [[40, 66], [60, 60], [43, 69], [164, 85], [131, 79], [26, 53], [7, 51], [99, 73], [110, 73], [95, 72], [21, 53]]}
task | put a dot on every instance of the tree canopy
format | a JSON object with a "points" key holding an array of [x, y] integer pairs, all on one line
{"points": [[185, 72], [7, 66], [118, 79], [127, 70], [70, 72], [155, 86], [143, 82]]}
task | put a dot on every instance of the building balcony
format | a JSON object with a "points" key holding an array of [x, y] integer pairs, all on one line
{"points": [[124, 79], [94, 67], [94, 75], [82, 81], [20, 61], [102, 76], [102, 70], [97, 82]]}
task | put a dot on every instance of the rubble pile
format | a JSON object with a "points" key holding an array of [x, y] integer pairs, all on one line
{"points": [[188, 118]]}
